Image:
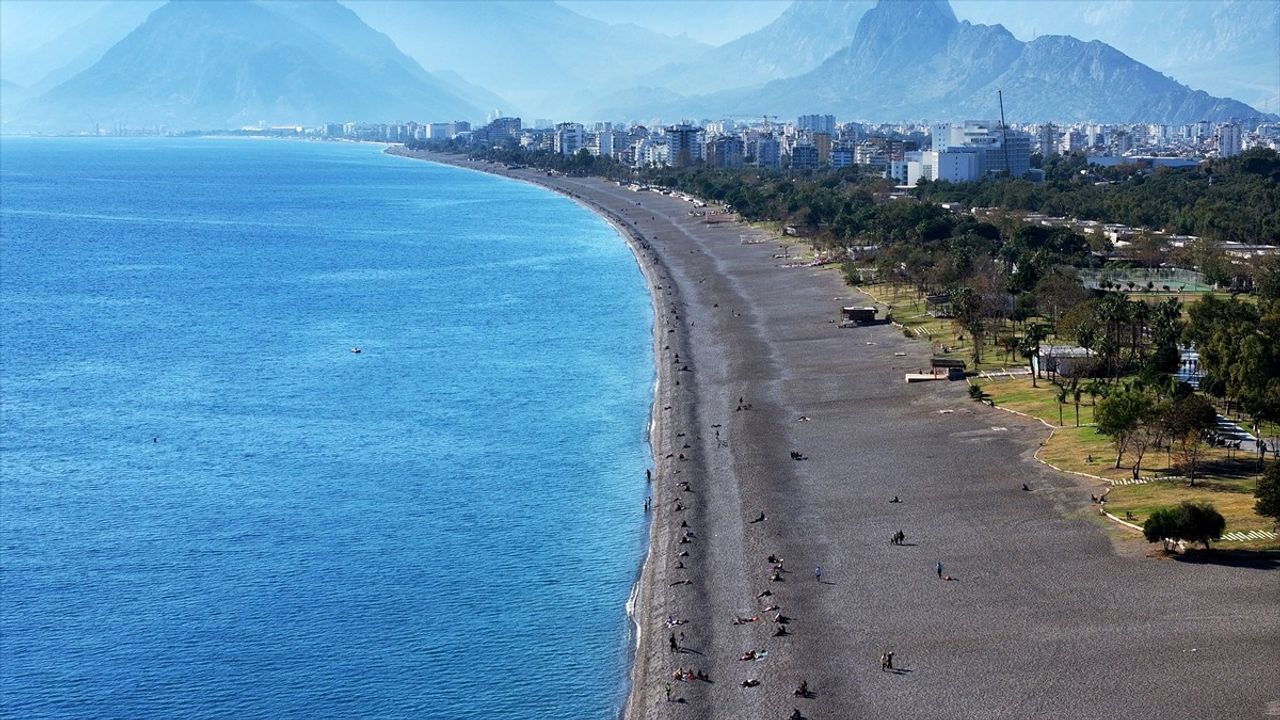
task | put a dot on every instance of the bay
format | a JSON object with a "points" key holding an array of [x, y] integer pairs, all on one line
{"points": [[210, 506]]}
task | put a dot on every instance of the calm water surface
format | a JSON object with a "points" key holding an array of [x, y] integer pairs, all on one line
{"points": [[211, 507]]}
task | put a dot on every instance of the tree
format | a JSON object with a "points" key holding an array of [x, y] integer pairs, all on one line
{"points": [[1162, 526], [1201, 522], [1268, 493], [1149, 433], [1062, 400], [1187, 420], [1188, 522], [1121, 415]]}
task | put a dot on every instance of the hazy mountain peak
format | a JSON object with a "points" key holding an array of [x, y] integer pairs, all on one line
{"points": [[198, 64]]}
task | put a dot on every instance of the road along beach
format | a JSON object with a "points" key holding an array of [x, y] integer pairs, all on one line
{"points": [[999, 602]]}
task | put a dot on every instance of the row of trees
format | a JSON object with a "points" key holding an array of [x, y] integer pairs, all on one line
{"points": [[1232, 199]]}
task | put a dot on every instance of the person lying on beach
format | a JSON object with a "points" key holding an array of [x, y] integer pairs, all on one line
{"points": [[672, 621], [781, 631], [774, 559], [803, 689], [781, 619], [750, 683], [739, 620], [759, 519], [895, 499], [766, 593], [751, 655], [771, 608], [795, 714]]}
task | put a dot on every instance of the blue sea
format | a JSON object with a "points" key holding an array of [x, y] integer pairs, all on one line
{"points": [[211, 507]]}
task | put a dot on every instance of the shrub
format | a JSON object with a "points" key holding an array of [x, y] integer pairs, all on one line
{"points": [[1268, 493], [975, 391]]}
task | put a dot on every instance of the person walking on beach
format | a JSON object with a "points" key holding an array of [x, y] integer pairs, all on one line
{"points": [[675, 646], [817, 573], [939, 569]]}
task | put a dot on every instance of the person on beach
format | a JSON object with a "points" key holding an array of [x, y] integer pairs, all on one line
{"points": [[939, 569], [817, 573], [675, 646], [668, 692]]}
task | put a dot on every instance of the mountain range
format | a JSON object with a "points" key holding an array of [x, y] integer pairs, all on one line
{"points": [[219, 64], [913, 60], [228, 64]]}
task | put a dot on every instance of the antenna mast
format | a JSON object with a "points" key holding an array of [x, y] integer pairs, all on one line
{"points": [[1004, 135]]}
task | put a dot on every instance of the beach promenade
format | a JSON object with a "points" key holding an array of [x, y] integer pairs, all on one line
{"points": [[1050, 612]]}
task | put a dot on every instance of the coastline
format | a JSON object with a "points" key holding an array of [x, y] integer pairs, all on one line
{"points": [[661, 436], [1045, 608]]}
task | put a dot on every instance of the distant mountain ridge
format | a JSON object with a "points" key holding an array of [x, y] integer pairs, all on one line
{"points": [[806, 34], [227, 64], [913, 60], [545, 58]]}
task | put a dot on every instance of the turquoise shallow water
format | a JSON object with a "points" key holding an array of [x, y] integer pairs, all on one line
{"points": [[211, 507]]}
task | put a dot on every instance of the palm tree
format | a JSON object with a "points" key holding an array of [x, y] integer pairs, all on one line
{"points": [[1076, 390], [1062, 400]]}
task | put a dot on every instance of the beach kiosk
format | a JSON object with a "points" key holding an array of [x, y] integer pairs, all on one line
{"points": [[856, 316], [953, 368]]}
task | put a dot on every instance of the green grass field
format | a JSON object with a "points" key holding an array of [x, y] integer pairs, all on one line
{"points": [[1226, 480]]}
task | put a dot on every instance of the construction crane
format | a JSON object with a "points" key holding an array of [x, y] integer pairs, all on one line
{"points": [[1004, 134]]}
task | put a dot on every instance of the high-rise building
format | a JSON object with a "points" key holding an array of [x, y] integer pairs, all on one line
{"points": [[569, 138], [999, 149], [804, 157], [683, 145], [725, 151], [817, 123], [1047, 139], [822, 141], [768, 152], [841, 157], [1229, 139]]}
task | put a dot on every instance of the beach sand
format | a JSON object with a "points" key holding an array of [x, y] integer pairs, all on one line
{"points": [[1053, 612]]}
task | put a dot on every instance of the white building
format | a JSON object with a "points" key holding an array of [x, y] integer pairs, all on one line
{"points": [[569, 138], [1229, 139], [1047, 139], [998, 149], [954, 165]]}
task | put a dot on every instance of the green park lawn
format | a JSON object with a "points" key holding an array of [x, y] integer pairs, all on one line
{"points": [[1225, 480]]}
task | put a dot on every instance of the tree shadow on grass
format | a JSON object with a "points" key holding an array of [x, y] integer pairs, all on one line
{"points": [[1248, 559]]}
